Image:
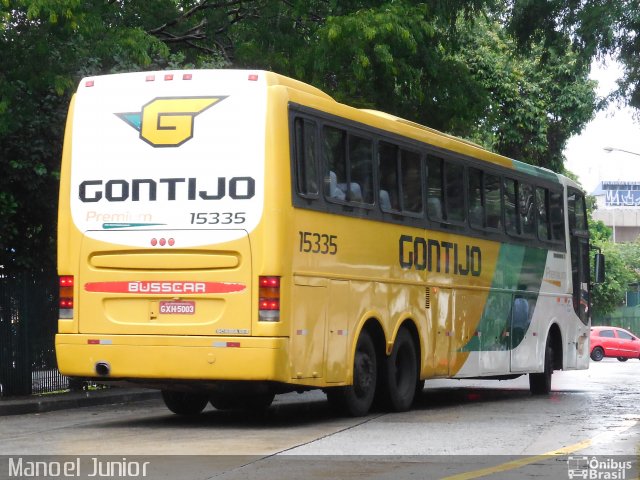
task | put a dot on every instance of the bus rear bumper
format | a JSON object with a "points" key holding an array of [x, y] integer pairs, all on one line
{"points": [[114, 357]]}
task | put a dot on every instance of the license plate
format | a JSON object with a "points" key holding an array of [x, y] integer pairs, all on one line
{"points": [[177, 308]]}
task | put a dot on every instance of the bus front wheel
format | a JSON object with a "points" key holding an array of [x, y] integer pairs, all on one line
{"points": [[355, 400], [184, 403], [540, 383]]}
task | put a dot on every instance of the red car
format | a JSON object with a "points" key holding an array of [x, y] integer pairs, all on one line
{"points": [[614, 342]]}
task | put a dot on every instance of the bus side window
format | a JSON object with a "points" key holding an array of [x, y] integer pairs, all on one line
{"points": [[476, 198], [388, 174], [435, 190], [411, 177], [581, 214], [305, 152], [493, 204], [335, 161], [542, 204], [510, 213], [454, 209], [360, 170], [526, 209], [556, 215]]}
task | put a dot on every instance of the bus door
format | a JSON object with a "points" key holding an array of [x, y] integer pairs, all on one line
{"points": [[340, 310], [578, 355], [309, 319], [441, 329], [526, 357]]}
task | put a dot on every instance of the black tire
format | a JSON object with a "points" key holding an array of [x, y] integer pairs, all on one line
{"points": [[623, 359], [597, 354], [249, 402], [400, 373], [356, 400], [540, 383], [184, 403]]}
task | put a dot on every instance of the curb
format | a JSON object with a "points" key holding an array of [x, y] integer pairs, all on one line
{"points": [[62, 401]]}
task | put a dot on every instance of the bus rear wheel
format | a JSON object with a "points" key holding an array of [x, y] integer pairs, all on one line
{"points": [[540, 383], [355, 400], [400, 373], [184, 403]]}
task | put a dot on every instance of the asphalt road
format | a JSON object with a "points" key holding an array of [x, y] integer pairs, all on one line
{"points": [[456, 430]]}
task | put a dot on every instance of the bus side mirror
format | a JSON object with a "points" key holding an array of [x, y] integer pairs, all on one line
{"points": [[599, 268]]}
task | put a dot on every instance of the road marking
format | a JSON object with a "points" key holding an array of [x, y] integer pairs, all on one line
{"points": [[514, 464]]}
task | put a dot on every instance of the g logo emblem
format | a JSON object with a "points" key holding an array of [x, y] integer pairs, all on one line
{"points": [[168, 122]]}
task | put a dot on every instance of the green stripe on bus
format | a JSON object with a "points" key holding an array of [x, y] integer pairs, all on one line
{"points": [[542, 173], [519, 268]]}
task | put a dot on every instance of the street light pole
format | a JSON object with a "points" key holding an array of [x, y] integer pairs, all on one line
{"points": [[613, 149]]}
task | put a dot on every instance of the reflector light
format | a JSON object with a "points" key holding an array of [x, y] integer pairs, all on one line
{"points": [[187, 76], [66, 281], [154, 242], [171, 242], [253, 77], [150, 78], [89, 83], [163, 242], [226, 344], [168, 76]]}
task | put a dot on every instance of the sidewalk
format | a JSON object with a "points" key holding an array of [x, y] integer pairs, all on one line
{"points": [[61, 401]]}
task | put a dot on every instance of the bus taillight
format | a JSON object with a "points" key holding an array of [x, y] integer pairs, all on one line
{"points": [[269, 299], [65, 302]]}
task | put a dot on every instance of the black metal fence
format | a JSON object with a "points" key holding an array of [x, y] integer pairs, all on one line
{"points": [[28, 323]]}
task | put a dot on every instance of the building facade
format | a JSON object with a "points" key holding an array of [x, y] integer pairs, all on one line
{"points": [[618, 207]]}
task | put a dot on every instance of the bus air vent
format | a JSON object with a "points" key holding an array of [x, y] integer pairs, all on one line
{"points": [[427, 297]]}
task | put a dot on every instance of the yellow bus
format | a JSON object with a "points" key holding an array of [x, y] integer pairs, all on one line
{"points": [[228, 235]]}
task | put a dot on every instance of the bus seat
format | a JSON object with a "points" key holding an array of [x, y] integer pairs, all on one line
{"points": [[476, 215], [385, 200], [355, 192], [434, 207], [334, 190]]}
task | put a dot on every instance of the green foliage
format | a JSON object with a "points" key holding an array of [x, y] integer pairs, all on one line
{"points": [[622, 267], [448, 64], [535, 103], [591, 28]]}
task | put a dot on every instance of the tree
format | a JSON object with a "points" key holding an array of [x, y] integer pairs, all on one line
{"points": [[591, 28], [449, 65], [622, 267]]}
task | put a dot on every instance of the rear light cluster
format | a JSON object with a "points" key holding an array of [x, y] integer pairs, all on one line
{"points": [[269, 299], [65, 303]]}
